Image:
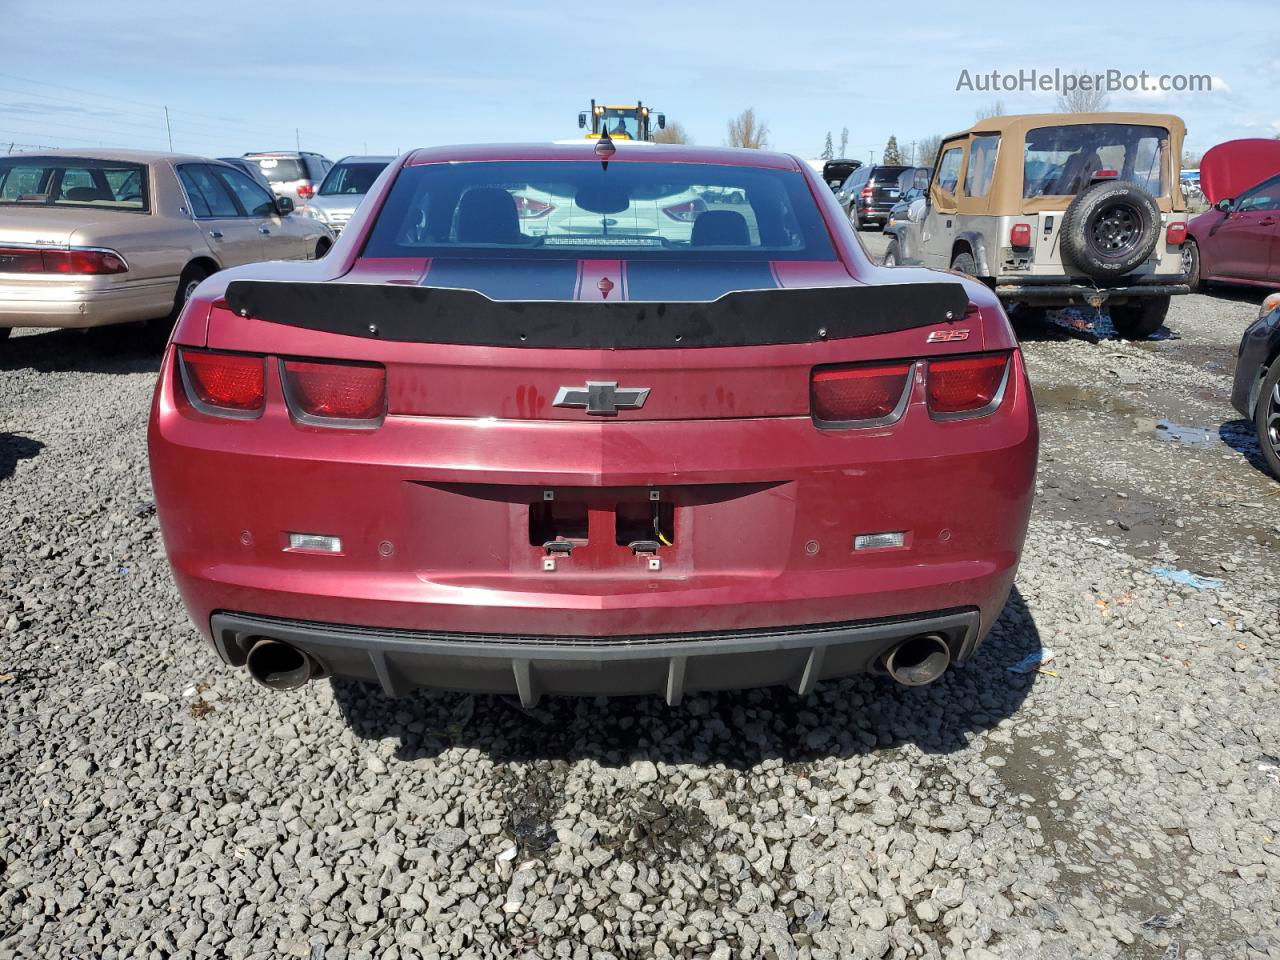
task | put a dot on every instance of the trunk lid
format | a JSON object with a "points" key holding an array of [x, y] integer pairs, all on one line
{"points": [[564, 350]]}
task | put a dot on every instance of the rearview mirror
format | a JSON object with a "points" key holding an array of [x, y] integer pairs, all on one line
{"points": [[1224, 205], [284, 206]]}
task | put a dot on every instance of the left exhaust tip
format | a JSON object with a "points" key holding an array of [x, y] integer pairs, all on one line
{"points": [[278, 666]]}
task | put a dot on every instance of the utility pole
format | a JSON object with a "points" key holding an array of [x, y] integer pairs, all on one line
{"points": [[168, 129], [913, 153], [297, 139], [871, 157]]}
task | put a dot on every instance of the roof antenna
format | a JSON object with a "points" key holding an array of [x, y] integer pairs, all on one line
{"points": [[604, 147]]}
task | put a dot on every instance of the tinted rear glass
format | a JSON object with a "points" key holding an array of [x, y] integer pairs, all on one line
{"points": [[1062, 161], [281, 169], [350, 178], [577, 209], [74, 182], [888, 176]]}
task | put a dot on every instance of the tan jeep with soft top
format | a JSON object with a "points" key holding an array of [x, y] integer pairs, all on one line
{"points": [[1059, 209]]}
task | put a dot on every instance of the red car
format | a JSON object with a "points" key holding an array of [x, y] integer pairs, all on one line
{"points": [[636, 444], [1238, 241]]}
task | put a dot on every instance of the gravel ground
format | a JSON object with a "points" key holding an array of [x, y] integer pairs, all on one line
{"points": [[1122, 802]]}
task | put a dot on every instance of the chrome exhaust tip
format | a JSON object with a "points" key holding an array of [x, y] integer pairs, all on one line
{"points": [[278, 666], [918, 661]]}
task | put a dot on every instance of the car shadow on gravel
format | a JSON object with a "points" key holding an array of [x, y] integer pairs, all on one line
{"points": [[739, 730], [128, 348], [1241, 436], [15, 447]]}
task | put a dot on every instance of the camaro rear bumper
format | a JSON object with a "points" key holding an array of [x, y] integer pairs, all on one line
{"points": [[529, 666], [441, 542]]}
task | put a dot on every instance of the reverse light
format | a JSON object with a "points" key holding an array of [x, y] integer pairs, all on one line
{"points": [[960, 386], [864, 395], [314, 543], [1175, 234], [686, 212], [879, 541], [336, 394], [305, 192], [82, 261], [528, 208], [1020, 235], [224, 384]]}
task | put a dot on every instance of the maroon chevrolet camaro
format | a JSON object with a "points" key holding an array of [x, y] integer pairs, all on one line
{"points": [[593, 419]]}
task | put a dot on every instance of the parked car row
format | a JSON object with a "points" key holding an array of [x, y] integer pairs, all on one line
{"points": [[91, 238]]}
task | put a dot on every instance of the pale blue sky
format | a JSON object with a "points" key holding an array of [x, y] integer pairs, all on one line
{"points": [[381, 76]]}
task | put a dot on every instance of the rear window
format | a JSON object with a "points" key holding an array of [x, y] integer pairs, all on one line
{"points": [[887, 176], [281, 169], [350, 178], [74, 182], [1061, 161], [577, 209]]}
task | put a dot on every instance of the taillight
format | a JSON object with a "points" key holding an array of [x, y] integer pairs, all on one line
{"points": [[867, 191], [686, 212], [956, 386], [865, 394], [78, 261], [305, 192], [1175, 234], [1020, 235], [527, 208], [224, 384], [336, 394]]}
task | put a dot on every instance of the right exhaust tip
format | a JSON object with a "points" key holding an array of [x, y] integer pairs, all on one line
{"points": [[278, 666], [919, 661]]}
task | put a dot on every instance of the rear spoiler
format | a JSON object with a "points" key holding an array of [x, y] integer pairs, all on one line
{"points": [[414, 314]]}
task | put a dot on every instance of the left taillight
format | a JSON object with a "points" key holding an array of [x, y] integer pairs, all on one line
{"points": [[335, 394], [957, 387], [224, 384], [80, 261], [305, 192]]}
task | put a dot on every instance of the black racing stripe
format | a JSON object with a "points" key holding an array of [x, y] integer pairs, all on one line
{"points": [[669, 281], [513, 279]]}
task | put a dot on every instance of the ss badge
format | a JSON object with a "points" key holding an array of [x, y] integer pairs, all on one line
{"points": [[947, 336]]}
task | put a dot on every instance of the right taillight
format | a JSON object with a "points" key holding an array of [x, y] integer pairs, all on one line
{"points": [[1020, 235], [224, 384], [863, 394], [964, 386], [336, 394]]}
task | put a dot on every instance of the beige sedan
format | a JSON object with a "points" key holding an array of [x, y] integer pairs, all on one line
{"points": [[89, 238]]}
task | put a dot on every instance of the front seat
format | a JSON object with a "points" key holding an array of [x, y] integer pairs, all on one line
{"points": [[488, 215], [720, 228], [1077, 173]]}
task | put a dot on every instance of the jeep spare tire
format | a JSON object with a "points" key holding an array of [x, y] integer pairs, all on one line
{"points": [[1110, 228]]}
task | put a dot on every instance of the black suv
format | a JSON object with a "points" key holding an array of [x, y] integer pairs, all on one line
{"points": [[869, 194]]}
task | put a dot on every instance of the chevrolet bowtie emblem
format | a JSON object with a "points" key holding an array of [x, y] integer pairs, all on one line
{"points": [[602, 397]]}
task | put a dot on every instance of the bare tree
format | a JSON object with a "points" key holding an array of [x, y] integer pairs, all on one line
{"points": [[1081, 100], [746, 130], [674, 132], [928, 151], [995, 108]]}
